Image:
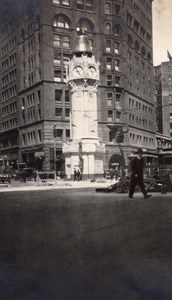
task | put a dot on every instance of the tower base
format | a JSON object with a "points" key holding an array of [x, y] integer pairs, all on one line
{"points": [[85, 155]]}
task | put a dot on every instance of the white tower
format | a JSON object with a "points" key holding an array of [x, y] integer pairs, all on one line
{"points": [[84, 151]]}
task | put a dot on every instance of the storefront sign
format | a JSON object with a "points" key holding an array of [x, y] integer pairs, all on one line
{"points": [[39, 154]]}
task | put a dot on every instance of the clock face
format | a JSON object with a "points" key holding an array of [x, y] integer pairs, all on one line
{"points": [[125, 129], [91, 71], [78, 71]]}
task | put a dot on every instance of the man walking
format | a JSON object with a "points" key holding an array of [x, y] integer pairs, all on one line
{"points": [[137, 175]]}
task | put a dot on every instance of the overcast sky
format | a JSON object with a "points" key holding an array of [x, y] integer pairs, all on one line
{"points": [[162, 30]]}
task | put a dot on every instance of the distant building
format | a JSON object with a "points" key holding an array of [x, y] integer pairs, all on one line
{"points": [[163, 96], [36, 40]]}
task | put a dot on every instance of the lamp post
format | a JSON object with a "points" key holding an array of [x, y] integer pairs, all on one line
{"points": [[54, 135]]}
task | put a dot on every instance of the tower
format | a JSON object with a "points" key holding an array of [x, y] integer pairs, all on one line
{"points": [[84, 150]]}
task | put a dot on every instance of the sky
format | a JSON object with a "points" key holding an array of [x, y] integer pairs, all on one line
{"points": [[162, 30]]}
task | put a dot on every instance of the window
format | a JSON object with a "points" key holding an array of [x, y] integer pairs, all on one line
{"points": [[117, 9], [62, 2], [67, 96], [116, 48], [58, 95], [109, 99], [107, 8], [108, 28], [66, 42], [67, 133], [65, 2], [117, 63], [118, 116], [61, 21], [118, 98], [23, 139], [59, 134], [143, 51], [56, 1], [129, 19], [137, 46], [57, 75], [109, 80], [149, 57], [108, 45], [80, 4], [142, 31], [117, 80], [84, 4], [89, 5], [109, 63], [58, 112], [85, 25], [117, 29], [110, 115], [130, 40], [39, 136], [67, 112]]}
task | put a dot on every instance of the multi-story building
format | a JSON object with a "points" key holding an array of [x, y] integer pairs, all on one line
{"points": [[163, 96], [35, 52]]}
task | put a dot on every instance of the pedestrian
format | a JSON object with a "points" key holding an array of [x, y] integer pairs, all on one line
{"points": [[78, 174], [75, 174], [137, 175]]}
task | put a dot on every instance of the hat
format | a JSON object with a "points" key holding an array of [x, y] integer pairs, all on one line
{"points": [[140, 151]]}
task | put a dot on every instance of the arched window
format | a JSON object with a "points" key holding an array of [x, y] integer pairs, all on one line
{"points": [[137, 46], [108, 28], [117, 28], [86, 25], [143, 51], [130, 40], [61, 21]]}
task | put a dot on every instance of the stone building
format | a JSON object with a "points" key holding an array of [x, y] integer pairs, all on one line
{"points": [[36, 40], [163, 96]]}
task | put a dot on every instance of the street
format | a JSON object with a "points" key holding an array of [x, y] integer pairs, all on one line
{"points": [[79, 245]]}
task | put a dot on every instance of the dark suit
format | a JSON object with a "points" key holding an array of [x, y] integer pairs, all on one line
{"points": [[137, 176]]}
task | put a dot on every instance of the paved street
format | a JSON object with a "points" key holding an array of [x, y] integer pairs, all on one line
{"points": [[77, 244]]}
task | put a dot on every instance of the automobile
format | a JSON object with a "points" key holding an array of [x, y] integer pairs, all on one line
{"points": [[25, 174], [5, 178]]}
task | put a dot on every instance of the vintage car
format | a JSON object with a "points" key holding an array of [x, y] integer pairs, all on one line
{"points": [[5, 178]]}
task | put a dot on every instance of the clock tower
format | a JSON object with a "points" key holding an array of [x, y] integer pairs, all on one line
{"points": [[84, 151]]}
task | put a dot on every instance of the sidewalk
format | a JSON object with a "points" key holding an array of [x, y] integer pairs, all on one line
{"points": [[31, 185]]}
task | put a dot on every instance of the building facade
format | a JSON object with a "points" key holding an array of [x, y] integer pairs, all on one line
{"points": [[37, 38], [163, 97]]}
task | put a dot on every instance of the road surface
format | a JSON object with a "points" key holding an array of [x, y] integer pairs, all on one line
{"points": [[81, 245]]}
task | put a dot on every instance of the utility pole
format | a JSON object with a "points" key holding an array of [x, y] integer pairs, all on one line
{"points": [[54, 135]]}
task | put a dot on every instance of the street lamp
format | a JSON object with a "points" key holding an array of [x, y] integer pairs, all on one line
{"points": [[54, 135]]}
